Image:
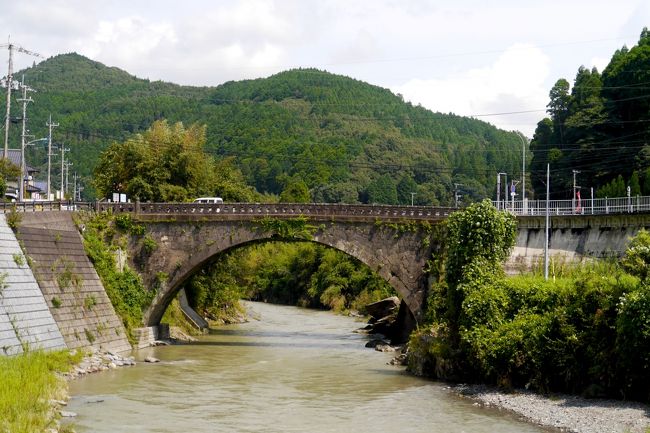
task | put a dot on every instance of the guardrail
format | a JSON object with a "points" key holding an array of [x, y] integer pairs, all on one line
{"points": [[42, 206], [281, 210], [596, 206]]}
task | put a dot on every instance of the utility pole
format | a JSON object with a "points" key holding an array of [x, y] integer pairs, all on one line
{"points": [[499, 190], [575, 188], [412, 195], [67, 173], [456, 194], [9, 83], [63, 151], [74, 186], [50, 125], [25, 100]]}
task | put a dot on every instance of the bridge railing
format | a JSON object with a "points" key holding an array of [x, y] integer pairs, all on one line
{"points": [[596, 206], [41, 206], [323, 210]]}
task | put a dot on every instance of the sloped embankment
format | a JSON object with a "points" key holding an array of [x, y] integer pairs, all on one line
{"points": [[69, 282], [25, 319]]}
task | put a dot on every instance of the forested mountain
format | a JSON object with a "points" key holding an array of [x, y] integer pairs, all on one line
{"points": [[599, 127], [342, 139]]}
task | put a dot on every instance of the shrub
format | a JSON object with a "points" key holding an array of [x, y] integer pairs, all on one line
{"points": [[633, 341]]}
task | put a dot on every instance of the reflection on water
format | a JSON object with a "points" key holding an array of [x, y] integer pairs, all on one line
{"points": [[293, 370]]}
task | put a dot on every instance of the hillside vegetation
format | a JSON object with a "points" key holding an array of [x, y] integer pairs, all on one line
{"points": [[345, 140], [600, 126]]}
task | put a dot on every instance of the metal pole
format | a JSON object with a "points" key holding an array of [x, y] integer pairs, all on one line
{"points": [[505, 186], [573, 201], [498, 190], [62, 166], [10, 77], [412, 195], [548, 183], [523, 166], [50, 125], [25, 101]]}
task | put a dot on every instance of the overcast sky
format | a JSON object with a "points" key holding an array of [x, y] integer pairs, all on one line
{"points": [[472, 58]]}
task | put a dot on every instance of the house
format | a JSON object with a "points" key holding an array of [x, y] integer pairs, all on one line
{"points": [[33, 190]]}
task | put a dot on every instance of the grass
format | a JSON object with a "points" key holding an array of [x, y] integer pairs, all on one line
{"points": [[29, 381]]}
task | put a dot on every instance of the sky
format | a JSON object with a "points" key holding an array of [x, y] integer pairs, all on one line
{"points": [[493, 60]]}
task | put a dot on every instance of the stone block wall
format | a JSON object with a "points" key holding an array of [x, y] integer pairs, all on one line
{"points": [[69, 282], [25, 319]]}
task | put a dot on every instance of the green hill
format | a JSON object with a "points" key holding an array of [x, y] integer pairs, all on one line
{"points": [[347, 140]]}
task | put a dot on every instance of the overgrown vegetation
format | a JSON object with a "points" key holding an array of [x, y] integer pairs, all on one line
{"points": [[125, 289], [3, 283], [585, 332], [19, 259], [294, 228], [29, 382], [14, 218]]}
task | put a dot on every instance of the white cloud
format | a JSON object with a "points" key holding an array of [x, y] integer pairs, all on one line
{"points": [[514, 82]]}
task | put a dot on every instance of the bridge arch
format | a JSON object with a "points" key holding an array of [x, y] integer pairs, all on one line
{"points": [[184, 247]]}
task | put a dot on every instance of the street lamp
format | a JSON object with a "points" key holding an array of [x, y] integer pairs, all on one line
{"points": [[523, 165]]}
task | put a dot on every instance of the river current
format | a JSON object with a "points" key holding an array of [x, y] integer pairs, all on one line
{"points": [[287, 370]]}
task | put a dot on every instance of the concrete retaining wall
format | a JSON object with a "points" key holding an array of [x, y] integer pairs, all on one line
{"points": [[69, 282], [25, 319], [573, 238]]}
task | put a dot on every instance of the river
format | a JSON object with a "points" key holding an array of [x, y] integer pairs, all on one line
{"points": [[287, 370]]}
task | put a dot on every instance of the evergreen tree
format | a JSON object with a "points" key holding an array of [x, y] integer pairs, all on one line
{"points": [[382, 191]]}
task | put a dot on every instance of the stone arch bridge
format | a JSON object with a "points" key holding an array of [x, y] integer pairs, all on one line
{"points": [[392, 240]]}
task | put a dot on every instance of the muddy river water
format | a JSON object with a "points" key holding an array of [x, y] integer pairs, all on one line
{"points": [[286, 370]]}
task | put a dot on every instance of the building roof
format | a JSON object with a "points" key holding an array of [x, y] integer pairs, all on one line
{"points": [[14, 157]]}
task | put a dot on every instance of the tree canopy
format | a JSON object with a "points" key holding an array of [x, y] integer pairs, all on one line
{"points": [[168, 163], [599, 127]]}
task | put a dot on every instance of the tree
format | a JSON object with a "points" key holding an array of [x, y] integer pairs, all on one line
{"points": [[7, 171], [558, 107], [167, 163], [405, 187], [382, 191], [295, 191]]}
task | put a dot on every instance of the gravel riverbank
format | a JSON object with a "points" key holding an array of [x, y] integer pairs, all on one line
{"points": [[565, 412]]}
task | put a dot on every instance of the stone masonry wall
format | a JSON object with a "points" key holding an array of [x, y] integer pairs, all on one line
{"points": [[25, 320], [69, 282]]}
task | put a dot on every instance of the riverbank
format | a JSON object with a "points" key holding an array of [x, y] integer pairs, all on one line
{"points": [[565, 412], [32, 389]]}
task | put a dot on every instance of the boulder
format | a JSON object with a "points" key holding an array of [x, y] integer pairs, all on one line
{"points": [[383, 308]]}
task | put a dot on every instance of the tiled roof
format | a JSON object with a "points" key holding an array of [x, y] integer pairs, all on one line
{"points": [[14, 157]]}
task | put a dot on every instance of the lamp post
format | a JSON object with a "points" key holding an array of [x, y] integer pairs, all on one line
{"points": [[523, 165]]}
